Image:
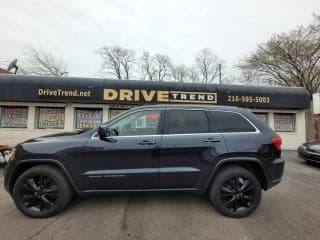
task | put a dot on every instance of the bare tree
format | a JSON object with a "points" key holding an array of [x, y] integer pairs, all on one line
{"points": [[289, 59], [111, 61], [146, 67], [117, 62], [230, 79], [127, 61], [162, 65], [207, 65], [180, 73], [194, 74], [248, 76], [42, 62]]}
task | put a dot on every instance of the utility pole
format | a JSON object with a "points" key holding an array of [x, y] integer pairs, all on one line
{"points": [[220, 80]]}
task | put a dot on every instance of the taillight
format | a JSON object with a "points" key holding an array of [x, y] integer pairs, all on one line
{"points": [[277, 142]]}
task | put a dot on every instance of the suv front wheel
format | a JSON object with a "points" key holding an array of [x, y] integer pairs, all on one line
{"points": [[41, 191], [235, 192]]}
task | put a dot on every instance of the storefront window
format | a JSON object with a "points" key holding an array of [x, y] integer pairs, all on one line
{"points": [[115, 111], [14, 117], [51, 118], [262, 116], [284, 122], [88, 118]]}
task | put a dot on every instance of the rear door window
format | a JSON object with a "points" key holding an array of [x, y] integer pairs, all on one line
{"points": [[186, 122], [230, 122]]}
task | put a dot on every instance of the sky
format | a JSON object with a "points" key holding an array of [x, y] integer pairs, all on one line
{"points": [[73, 30]]}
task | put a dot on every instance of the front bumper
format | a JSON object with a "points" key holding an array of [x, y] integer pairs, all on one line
{"points": [[8, 171], [303, 153], [3, 159]]}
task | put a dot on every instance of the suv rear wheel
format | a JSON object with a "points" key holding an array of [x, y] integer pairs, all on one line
{"points": [[235, 192], [41, 191]]}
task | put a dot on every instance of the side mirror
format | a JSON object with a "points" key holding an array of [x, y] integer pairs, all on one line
{"points": [[103, 132], [105, 135]]}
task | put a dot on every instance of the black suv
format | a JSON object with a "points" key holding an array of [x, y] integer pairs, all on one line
{"points": [[223, 151]]}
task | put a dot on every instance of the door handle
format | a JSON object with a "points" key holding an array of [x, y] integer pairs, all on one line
{"points": [[212, 140], [147, 142]]}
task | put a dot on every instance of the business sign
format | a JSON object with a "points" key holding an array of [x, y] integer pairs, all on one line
{"points": [[157, 96], [142, 96], [57, 92], [132, 92]]}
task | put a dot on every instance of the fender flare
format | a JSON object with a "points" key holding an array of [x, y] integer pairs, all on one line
{"points": [[36, 162], [230, 160]]}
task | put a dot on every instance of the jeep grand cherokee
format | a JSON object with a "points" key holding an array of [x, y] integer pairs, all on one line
{"points": [[225, 152]]}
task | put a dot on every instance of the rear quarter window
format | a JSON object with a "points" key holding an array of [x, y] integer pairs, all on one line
{"points": [[230, 122]]}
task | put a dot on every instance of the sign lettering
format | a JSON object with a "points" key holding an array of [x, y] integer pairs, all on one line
{"points": [[151, 96]]}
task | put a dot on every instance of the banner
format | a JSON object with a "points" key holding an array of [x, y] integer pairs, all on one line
{"points": [[14, 117], [88, 118], [51, 118]]}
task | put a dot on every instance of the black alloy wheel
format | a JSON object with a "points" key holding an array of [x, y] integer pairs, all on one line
{"points": [[235, 192], [42, 191], [39, 193]]}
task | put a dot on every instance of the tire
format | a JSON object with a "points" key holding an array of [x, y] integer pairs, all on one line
{"points": [[235, 192], [42, 191]]}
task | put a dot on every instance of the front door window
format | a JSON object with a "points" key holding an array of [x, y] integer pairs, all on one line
{"points": [[138, 123]]}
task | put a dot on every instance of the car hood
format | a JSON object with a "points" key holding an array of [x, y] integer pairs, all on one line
{"points": [[313, 146], [55, 136], [52, 144], [62, 134]]}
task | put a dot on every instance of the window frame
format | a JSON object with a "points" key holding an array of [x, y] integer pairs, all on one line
{"points": [[186, 109], [217, 130]]}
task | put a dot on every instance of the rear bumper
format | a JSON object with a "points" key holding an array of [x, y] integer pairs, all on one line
{"points": [[276, 170], [274, 183]]}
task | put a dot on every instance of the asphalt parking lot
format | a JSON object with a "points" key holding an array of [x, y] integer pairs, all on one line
{"points": [[289, 211]]}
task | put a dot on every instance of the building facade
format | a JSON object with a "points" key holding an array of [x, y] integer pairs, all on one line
{"points": [[33, 106]]}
